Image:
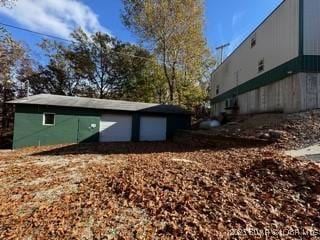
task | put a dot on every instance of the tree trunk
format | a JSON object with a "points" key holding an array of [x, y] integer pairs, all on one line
{"points": [[101, 92], [171, 82], [171, 93], [170, 79], [4, 109]]}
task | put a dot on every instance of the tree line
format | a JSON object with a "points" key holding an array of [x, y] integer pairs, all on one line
{"points": [[171, 65]]}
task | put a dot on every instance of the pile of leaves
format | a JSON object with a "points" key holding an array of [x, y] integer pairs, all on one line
{"points": [[155, 191], [297, 130]]}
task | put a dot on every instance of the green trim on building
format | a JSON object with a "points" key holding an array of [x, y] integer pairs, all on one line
{"points": [[310, 64], [301, 27], [305, 63], [276, 74], [300, 64]]}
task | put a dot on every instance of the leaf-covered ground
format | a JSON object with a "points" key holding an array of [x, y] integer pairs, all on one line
{"points": [[299, 130], [157, 191]]}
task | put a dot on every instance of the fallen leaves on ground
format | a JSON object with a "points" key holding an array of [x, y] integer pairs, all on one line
{"points": [[154, 191], [296, 130]]}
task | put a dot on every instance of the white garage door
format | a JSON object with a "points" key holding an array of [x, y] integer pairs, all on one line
{"points": [[153, 129], [115, 128]]}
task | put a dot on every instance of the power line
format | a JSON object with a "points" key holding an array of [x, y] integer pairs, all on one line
{"points": [[67, 40], [70, 41], [34, 32]]}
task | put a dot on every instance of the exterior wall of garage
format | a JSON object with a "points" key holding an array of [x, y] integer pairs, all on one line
{"points": [[29, 130], [115, 127], [73, 125]]}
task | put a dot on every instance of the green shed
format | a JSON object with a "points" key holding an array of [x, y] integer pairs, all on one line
{"points": [[47, 119]]}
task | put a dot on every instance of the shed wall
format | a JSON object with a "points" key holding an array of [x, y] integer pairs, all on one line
{"points": [[73, 125], [29, 130]]}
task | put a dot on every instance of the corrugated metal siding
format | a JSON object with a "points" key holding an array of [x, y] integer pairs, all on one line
{"points": [[277, 43], [298, 92], [72, 125], [311, 30], [29, 130]]}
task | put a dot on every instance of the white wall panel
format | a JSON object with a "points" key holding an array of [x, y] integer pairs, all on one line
{"points": [[153, 128], [115, 128], [277, 42]]}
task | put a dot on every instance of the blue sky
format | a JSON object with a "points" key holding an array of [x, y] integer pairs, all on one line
{"points": [[226, 20]]}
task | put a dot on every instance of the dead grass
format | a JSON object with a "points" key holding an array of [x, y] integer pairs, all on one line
{"points": [[153, 191]]}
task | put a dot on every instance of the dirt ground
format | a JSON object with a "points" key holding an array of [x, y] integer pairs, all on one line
{"points": [[156, 191]]}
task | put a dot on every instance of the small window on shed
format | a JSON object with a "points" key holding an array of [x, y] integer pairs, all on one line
{"points": [[261, 66], [48, 119], [253, 40]]}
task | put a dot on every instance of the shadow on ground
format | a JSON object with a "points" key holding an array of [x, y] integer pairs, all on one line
{"points": [[268, 172], [6, 141], [145, 147]]}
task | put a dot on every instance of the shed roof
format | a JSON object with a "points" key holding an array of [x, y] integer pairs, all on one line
{"points": [[103, 104]]}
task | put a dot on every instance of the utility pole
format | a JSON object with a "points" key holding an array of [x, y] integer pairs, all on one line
{"points": [[221, 48]]}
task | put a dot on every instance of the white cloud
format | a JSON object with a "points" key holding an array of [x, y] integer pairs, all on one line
{"points": [[236, 18], [56, 17]]}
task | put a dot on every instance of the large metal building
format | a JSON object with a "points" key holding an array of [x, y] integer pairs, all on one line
{"points": [[46, 119], [276, 68]]}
